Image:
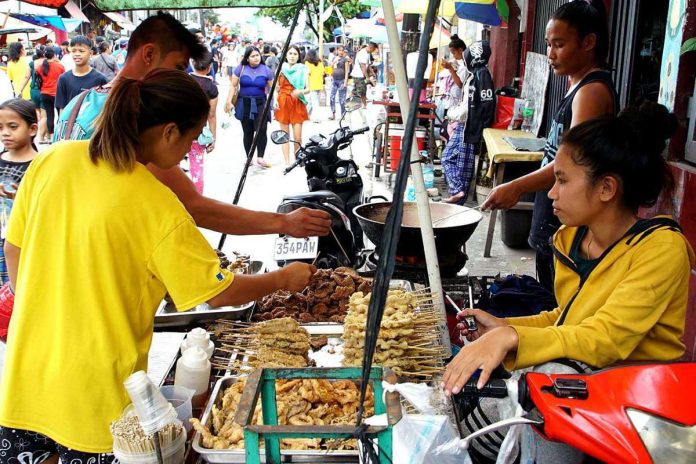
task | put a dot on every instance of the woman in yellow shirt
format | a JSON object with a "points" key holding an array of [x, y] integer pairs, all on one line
{"points": [[93, 244], [18, 70], [621, 281], [315, 67]]}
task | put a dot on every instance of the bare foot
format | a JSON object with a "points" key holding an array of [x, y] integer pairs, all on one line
{"points": [[263, 163]]}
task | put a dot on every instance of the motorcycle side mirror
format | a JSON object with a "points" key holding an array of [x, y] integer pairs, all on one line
{"points": [[280, 137], [353, 103]]}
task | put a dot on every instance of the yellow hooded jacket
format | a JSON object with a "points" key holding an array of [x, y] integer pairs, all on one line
{"points": [[631, 307]]}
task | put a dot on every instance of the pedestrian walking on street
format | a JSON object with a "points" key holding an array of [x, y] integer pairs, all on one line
{"points": [[49, 71], [105, 63], [35, 91], [205, 143], [315, 69], [251, 83], [455, 83], [18, 70], [293, 86], [81, 77], [476, 112], [339, 85], [362, 72]]}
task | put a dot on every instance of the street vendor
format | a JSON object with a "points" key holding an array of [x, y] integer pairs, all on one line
{"points": [[162, 42], [577, 45], [621, 281], [90, 265]]}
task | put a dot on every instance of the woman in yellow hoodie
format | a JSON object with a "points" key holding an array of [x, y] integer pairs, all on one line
{"points": [[621, 281]]}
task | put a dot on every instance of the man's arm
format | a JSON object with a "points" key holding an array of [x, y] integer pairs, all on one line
{"points": [[12, 260], [235, 220]]}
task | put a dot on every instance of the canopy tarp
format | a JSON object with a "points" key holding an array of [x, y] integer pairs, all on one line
{"points": [[62, 24], [120, 5]]}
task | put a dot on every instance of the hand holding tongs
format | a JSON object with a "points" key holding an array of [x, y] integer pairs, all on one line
{"points": [[470, 321]]}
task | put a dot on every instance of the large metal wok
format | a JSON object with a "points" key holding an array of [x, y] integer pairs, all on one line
{"points": [[452, 225]]}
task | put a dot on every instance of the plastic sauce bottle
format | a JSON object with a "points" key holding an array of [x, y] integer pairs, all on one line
{"points": [[193, 371], [198, 337], [527, 115]]}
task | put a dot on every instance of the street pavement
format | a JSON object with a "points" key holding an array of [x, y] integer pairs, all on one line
{"points": [[264, 190]]}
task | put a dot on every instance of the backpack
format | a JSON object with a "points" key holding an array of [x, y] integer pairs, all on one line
{"points": [[38, 80]]}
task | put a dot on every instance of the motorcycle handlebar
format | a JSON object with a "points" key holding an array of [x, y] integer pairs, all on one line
{"points": [[292, 166], [362, 130], [494, 388]]}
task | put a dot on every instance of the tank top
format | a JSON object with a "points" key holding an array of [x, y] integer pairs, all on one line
{"points": [[564, 114], [544, 223]]}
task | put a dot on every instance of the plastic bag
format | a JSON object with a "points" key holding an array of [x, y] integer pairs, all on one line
{"points": [[508, 112], [426, 438]]}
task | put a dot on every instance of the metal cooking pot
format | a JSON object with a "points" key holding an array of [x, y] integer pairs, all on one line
{"points": [[452, 225]]}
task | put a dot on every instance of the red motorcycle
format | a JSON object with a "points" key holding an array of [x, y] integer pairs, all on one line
{"points": [[630, 414]]}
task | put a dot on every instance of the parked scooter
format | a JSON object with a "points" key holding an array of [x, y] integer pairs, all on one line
{"points": [[629, 414], [335, 187]]}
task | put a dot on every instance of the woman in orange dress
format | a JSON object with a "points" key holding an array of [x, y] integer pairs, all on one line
{"points": [[291, 110]]}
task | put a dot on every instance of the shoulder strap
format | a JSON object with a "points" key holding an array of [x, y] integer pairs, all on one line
{"points": [[113, 69], [72, 117]]}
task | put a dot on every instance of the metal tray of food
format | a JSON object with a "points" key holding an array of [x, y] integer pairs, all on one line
{"points": [[336, 328], [238, 455], [168, 316]]}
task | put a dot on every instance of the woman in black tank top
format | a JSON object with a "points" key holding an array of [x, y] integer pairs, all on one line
{"points": [[577, 41]]}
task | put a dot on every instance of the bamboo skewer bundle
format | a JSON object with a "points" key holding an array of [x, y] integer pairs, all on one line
{"points": [[129, 436], [409, 340]]}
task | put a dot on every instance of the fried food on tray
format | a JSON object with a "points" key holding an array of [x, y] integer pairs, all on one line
{"points": [[299, 402], [325, 299]]}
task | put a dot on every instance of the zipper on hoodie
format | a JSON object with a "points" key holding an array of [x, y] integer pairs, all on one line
{"points": [[651, 226]]}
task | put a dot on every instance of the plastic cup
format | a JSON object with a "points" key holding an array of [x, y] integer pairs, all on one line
{"points": [[152, 409], [180, 397]]}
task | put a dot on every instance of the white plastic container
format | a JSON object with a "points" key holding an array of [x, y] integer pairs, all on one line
{"points": [[172, 454], [193, 371], [198, 337]]}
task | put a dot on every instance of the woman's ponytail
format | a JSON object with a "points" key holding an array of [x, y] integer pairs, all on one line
{"points": [[46, 66], [115, 139], [163, 96]]}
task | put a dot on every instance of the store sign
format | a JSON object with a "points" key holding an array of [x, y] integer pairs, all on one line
{"points": [[288, 248]]}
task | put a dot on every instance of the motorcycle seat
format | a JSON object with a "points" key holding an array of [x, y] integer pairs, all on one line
{"points": [[320, 196]]}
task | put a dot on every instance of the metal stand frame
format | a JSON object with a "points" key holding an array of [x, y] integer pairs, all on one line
{"points": [[262, 382]]}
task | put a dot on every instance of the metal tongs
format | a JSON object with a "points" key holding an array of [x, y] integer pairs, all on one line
{"points": [[470, 321]]}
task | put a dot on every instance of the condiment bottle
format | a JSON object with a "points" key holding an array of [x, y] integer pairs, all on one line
{"points": [[193, 371], [201, 338]]}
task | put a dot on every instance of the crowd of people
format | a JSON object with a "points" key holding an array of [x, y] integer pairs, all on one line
{"points": [[621, 281]]}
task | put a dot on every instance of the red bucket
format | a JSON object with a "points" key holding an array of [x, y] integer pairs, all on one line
{"points": [[395, 136]]}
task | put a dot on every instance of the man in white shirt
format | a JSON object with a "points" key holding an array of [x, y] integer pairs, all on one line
{"points": [[362, 72]]}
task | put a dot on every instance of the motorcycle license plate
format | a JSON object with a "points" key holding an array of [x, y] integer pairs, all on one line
{"points": [[289, 248]]}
